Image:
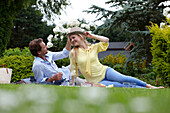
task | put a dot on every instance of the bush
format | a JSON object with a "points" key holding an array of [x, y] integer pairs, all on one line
{"points": [[161, 52], [62, 62], [17, 51], [119, 63], [21, 66]]}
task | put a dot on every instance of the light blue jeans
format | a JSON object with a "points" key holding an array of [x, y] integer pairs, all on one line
{"points": [[117, 79]]}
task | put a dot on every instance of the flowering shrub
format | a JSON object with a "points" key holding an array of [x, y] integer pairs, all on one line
{"points": [[118, 63], [118, 59], [58, 41], [161, 49]]}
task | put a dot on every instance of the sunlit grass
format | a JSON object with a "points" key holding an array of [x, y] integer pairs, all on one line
{"points": [[57, 99]]}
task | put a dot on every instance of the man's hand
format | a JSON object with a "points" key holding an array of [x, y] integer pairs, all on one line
{"points": [[55, 77]]}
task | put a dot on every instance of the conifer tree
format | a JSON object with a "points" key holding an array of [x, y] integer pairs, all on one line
{"points": [[28, 25], [133, 17]]}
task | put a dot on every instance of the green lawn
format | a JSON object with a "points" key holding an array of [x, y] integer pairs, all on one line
{"points": [[33, 98]]}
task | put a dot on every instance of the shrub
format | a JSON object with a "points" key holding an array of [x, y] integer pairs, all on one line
{"points": [[114, 62], [119, 63], [62, 62], [21, 66], [161, 52], [17, 51]]}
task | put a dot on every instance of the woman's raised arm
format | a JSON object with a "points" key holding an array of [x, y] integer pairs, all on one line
{"points": [[97, 37]]}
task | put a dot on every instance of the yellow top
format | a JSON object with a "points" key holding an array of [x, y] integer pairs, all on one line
{"points": [[88, 62]]}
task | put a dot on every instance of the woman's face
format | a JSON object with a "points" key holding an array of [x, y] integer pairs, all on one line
{"points": [[75, 40]]}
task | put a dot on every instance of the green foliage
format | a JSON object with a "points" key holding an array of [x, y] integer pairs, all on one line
{"points": [[17, 51], [7, 12], [161, 52], [62, 62], [28, 26], [10, 7], [51, 7], [21, 66], [115, 62]]}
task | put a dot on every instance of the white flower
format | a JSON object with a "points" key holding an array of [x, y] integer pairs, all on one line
{"points": [[49, 44], [162, 24], [55, 37], [68, 30], [83, 25], [73, 23], [59, 29], [65, 30], [49, 38], [69, 24], [55, 30], [87, 26], [165, 11], [61, 22], [76, 23], [168, 16], [61, 37]]}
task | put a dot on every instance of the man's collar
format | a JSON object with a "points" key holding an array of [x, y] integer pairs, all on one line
{"points": [[40, 59]]}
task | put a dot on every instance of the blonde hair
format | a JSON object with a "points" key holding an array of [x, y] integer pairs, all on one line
{"points": [[83, 37]]}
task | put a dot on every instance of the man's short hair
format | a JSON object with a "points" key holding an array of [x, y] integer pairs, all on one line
{"points": [[34, 46]]}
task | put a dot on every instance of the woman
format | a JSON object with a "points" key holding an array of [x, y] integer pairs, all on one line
{"points": [[85, 58]]}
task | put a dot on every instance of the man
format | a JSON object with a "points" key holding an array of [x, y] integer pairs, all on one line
{"points": [[44, 68]]}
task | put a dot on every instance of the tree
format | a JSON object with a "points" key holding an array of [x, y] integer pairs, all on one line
{"points": [[10, 7], [133, 18], [28, 26]]}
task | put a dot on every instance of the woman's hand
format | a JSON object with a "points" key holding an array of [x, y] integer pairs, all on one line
{"points": [[88, 35], [68, 44], [97, 37]]}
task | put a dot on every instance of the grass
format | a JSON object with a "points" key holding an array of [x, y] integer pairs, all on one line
{"points": [[32, 98]]}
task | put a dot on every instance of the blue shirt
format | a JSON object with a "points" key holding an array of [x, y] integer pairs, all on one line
{"points": [[43, 69]]}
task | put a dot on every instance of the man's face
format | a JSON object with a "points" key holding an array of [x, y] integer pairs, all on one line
{"points": [[43, 49]]}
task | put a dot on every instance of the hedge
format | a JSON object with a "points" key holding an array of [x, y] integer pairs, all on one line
{"points": [[161, 52]]}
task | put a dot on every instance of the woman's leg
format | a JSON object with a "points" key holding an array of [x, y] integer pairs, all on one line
{"points": [[114, 76], [117, 84]]}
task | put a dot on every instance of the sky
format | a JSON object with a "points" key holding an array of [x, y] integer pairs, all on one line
{"points": [[77, 6]]}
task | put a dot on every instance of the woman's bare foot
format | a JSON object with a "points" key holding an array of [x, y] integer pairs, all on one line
{"points": [[154, 87]]}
